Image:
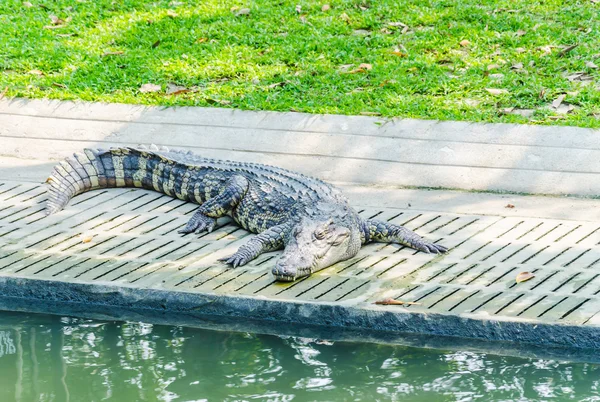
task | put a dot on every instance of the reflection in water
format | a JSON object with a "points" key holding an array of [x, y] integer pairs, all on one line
{"points": [[45, 358]]}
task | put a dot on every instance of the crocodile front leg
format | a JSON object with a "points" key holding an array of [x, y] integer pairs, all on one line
{"points": [[385, 232], [270, 240], [205, 217]]}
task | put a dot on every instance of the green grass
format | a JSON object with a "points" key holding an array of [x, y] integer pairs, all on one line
{"points": [[275, 58]]}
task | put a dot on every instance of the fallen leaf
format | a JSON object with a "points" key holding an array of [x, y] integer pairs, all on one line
{"points": [[464, 43], [397, 24], [66, 35], [344, 17], [520, 50], [147, 88], [298, 8], [591, 64], [524, 276], [370, 114], [172, 14], [522, 112], [176, 3], [517, 66], [492, 67], [394, 302], [155, 44], [276, 84], [326, 7], [243, 11], [566, 50], [557, 102], [497, 76], [55, 20], [366, 66], [496, 91], [219, 101], [3, 93], [173, 89], [27, 4], [573, 93], [398, 53], [564, 109], [510, 206], [56, 84], [112, 53], [361, 32], [36, 72], [86, 238], [472, 102], [201, 40], [520, 32], [345, 67], [579, 76]]}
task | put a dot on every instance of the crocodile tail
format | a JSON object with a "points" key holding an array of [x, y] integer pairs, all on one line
{"points": [[94, 169]]}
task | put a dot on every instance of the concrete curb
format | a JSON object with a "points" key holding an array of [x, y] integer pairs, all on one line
{"points": [[376, 319], [351, 149]]}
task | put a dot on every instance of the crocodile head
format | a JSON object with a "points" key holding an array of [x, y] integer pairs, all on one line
{"points": [[315, 244]]}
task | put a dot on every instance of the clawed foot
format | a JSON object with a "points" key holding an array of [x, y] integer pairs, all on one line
{"points": [[199, 223], [430, 248], [237, 260]]}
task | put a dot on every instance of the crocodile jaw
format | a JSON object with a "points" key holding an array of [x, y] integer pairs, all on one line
{"points": [[314, 246]]}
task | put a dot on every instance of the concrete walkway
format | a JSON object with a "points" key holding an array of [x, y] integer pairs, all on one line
{"points": [[118, 248]]}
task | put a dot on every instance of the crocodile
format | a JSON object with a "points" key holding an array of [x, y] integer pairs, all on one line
{"points": [[311, 220]]}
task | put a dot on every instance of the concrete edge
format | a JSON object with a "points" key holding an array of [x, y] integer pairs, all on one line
{"points": [[355, 149], [148, 302]]}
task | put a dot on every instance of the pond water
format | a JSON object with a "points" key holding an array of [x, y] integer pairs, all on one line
{"points": [[48, 358]]}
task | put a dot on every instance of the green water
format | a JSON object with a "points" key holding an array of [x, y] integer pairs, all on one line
{"points": [[46, 358]]}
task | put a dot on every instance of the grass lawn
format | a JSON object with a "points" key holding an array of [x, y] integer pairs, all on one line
{"points": [[476, 60]]}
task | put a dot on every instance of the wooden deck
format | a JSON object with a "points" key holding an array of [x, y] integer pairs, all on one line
{"points": [[126, 239]]}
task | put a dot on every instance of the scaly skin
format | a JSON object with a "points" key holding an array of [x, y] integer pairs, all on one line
{"points": [[310, 219]]}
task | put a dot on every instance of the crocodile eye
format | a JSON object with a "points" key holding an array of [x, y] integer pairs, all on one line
{"points": [[320, 234]]}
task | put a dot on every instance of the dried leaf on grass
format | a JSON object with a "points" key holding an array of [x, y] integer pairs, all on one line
{"points": [[149, 88], [566, 50], [174, 89], [36, 72], [519, 112], [370, 114], [345, 17], [326, 7], [520, 32], [579, 76], [117, 53], [394, 302], [243, 11], [557, 102], [27, 4], [464, 43], [218, 101], [591, 64], [362, 68], [524, 277], [361, 32], [3, 93], [59, 85], [172, 14], [496, 91]]}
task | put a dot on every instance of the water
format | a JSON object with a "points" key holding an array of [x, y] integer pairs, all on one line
{"points": [[47, 358]]}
